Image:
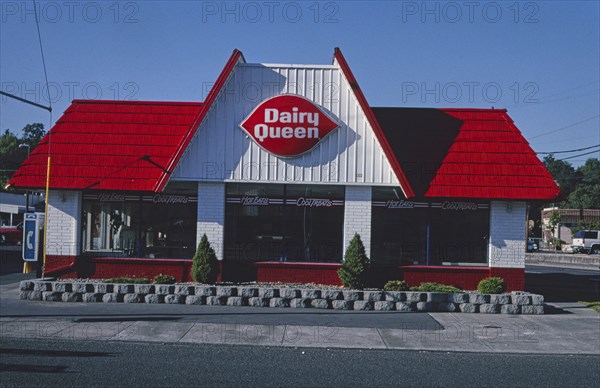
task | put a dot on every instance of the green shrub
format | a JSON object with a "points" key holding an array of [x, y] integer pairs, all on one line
{"points": [[164, 279], [128, 280], [205, 266], [396, 285], [493, 285], [354, 268], [436, 287]]}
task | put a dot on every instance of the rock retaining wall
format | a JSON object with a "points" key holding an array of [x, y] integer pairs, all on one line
{"points": [[514, 303]]}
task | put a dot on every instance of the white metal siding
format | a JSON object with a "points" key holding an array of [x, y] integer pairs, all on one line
{"points": [[64, 219], [357, 216], [507, 234], [222, 151], [211, 215]]}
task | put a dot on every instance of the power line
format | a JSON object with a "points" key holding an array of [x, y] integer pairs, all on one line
{"points": [[565, 127], [576, 156], [569, 151], [571, 89], [563, 141], [37, 23]]}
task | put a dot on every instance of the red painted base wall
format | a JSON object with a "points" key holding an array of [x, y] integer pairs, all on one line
{"points": [[513, 277], [141, 268], [319, 273], [466, 278]]}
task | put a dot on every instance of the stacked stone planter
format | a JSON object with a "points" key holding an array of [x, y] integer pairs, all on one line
{"points": [[514, 303]]}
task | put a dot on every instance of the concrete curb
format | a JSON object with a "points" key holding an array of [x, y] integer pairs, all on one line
{"points": [[283, 297]]}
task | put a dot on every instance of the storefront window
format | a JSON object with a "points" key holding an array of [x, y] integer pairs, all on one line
{"points": [[427, 232], [159, 225], [284, 222]]}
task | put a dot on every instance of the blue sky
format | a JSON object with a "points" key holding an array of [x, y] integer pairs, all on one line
{"points": [[538, 59]]}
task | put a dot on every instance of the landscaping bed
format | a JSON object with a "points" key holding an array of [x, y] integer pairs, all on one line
{"points": [[282, 296]]}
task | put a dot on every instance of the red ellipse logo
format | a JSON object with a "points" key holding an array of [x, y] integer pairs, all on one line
{"points": [[288, 125]]}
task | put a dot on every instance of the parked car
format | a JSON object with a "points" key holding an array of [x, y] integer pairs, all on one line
{"points": [[587, 241], [11, 236], [532, 245]]}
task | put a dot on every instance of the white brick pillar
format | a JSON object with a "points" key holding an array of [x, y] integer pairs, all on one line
{"points": [[507, 234], [64, 223], [357, 215], [211, 215]]}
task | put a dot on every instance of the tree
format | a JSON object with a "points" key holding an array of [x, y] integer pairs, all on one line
{"points": [[354, 269], [585, 197], [590, 171], [11, 155], [554, 222], [9, 147], [563, 173], [33, 134], [10, 158], [205, 266]]}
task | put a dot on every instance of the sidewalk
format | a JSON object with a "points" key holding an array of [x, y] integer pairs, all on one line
{"points": [[565, 329]]}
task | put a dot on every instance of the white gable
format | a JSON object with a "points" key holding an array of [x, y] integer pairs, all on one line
{"points": [[222, 151]]}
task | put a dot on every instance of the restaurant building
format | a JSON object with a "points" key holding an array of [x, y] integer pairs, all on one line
{"points": [[280, 166]]}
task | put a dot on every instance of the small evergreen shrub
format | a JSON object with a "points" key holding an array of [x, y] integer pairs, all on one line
{"points": [[205, 266], [396, 285], [436, 287], [494, 285], [128, 280], [354, 268], [164, 279]]}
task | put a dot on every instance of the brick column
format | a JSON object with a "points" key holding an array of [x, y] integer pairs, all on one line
{"points": [[507, 242], [357, 215], [63, 240], [211, 215]]}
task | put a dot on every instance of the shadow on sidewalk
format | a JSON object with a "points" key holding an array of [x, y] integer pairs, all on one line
{"points": [[564, 287]]}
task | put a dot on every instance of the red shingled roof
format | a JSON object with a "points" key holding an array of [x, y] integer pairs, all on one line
{"points": [[489, 158], [444, 153], [110, 145]]}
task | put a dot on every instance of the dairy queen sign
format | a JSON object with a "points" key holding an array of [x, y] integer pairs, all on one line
{"points": [[288, 125]]}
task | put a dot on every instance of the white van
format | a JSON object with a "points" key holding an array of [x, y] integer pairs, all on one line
{"points": [[587, 241]]}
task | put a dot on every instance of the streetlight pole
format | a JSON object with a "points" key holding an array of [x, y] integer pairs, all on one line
{"points": [[23, 145]]}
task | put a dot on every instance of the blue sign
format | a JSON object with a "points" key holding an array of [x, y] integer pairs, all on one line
{"points": [[31, 233]]}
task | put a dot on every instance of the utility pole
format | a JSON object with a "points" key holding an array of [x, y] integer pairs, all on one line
{"points": [[23, 145]]}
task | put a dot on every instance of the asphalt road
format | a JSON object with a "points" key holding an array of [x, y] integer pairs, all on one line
{"points": [[559, 284], [80, 363]]}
